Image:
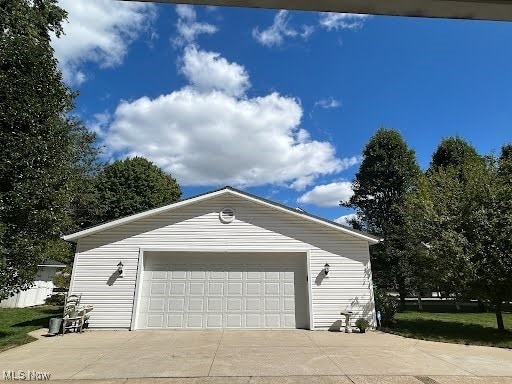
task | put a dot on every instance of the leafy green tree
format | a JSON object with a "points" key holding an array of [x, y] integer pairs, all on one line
{"points": [[505, 156], [434, 214], [387, 173], [465, 215], [490, 231], [422, 276], [44, 149], [130, 186], [453, 152], [449, 173]]}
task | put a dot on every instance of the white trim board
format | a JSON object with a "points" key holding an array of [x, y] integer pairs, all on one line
{"points": [[310, 291], [137, 291]]}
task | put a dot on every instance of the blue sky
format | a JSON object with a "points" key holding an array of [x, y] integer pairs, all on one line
{"points": [[280, 104]]}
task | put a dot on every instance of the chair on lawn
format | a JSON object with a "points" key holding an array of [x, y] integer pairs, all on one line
{"points": [[75, 316], [72, 299]]}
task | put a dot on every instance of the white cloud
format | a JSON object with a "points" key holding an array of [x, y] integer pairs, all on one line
{"points": [[186, 12], [99, 123], [213, 138], [99, 31], [209, 71], [303, 182], [210, 133], [345, 220], [328, 103], [188, 27], [337, 21], [329, 195], [351, 161], [279, 30]]}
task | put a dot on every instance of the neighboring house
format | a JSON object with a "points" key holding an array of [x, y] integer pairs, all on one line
{"points": [[223, 259], [39, 291]]}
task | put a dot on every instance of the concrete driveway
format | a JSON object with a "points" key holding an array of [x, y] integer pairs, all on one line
{"points": [[256, 355]]}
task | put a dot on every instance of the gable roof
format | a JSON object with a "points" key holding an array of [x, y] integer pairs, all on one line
{"points": [[226, 190]]}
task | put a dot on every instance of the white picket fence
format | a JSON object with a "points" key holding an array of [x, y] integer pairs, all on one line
{"points": [[36, 295]]}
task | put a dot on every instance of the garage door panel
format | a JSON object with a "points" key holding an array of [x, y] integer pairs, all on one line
{"points": [[235, 275], [289, 304], [253, 304], [215, 304], [195, 304], [253, 288], [214, 320], [272, 304], [197, 275], [156, 305], [234, 304], [156, 321], [271, 275], [158, 288], [176, 304], [178, 274], [288, 289], [253, 275], [272, 320], [216, 291], [235, 288], [177, 288], [216, 275], [272, 289], [197, 288], [194, 320], [253, 320], [289, 321], [159, 275], [175, 320], [234, 320]]}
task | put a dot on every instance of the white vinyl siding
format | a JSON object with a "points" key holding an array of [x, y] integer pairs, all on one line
{"points": [[197, 227]]}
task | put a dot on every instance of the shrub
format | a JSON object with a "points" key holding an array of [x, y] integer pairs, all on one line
{"points": [[55, 300], [387, 305], [62, 278], [362, 324]]}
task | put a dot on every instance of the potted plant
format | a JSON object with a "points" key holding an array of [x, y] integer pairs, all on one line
{"points": [[362, 324]]}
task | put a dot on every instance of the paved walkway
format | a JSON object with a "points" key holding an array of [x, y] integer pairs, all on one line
{"points": [[262, 357], [300, 380]]}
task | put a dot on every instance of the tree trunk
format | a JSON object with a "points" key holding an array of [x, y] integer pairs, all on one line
{"points": [[499, 318], [420, 303], [481, 306], [402, 293]]}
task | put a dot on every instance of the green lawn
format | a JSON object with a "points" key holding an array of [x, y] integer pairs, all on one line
{"points": [[16, 323], [462, 328]]}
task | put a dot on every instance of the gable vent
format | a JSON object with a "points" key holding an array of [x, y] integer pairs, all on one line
{"points": [[227, 215]]}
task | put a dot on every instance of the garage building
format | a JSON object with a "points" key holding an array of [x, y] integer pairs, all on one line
{"points": [[223, 259]]}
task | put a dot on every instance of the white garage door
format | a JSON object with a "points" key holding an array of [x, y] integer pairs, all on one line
{"points": [[214, 290]]}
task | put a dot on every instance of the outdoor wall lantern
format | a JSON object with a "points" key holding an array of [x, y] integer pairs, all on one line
{"points": [[120, 269], [326, 269]]}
